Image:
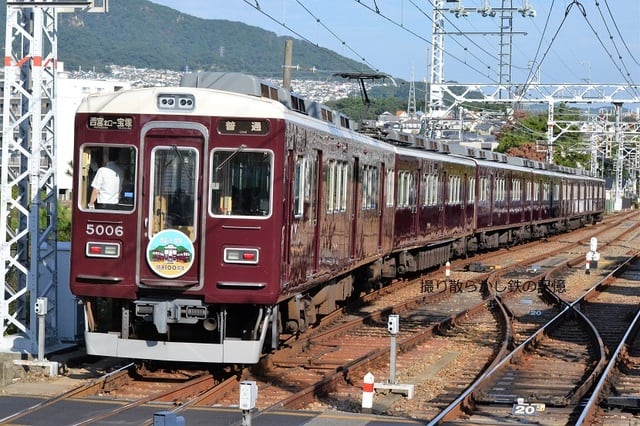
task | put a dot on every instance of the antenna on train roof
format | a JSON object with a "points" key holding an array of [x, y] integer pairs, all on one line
{"points": [[362, 76]]}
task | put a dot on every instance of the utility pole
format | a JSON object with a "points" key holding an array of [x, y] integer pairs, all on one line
{"points": [[286, 69], [506, 33], [619, 164], [411, 105], [28, 206]]}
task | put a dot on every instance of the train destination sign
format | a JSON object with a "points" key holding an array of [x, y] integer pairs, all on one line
{"points": [[106, 122], [243, 127]]}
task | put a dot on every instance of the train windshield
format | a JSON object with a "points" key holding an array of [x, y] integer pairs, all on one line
{"points": [[241, 182], [107, 177], [174, 177]]}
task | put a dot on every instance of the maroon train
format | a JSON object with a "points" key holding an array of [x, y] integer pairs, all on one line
{"points": [[246, 211]]}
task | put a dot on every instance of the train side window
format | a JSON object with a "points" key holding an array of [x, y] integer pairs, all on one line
{"points": [[337, 180], [406, 189], [454, 190], [117, 180], [389, 188], [370, 187], [241, 182], [299, 183], [484, 189], [516, 190], [403, 189], [471, 191], [545, 192]]}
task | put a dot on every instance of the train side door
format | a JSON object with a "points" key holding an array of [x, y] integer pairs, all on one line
{"points": [[382, 196], [170, 210], [355, 208]]}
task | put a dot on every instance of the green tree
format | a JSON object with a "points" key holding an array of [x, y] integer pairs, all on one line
{"points": [[64, 221], [526, 128]]}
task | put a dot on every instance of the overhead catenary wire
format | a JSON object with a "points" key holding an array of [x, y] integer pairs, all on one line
{"points": [[415, 34], [465, 50], [615, 24], [625, 74], [257, 7]]}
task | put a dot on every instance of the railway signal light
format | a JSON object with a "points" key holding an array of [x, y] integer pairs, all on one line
{"points": [[394, 324]]}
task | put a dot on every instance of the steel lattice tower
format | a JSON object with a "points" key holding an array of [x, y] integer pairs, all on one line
{"points": [[28, 209]]}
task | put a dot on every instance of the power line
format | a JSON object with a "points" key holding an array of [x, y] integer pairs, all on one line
{"points": [[619, 34], [257, 7], [404, 28], [626, 76]]}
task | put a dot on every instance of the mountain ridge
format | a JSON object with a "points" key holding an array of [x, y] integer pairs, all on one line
{"points": [[148, 35]]}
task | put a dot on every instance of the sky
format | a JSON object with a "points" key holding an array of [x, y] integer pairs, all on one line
{"points": [[567, 41]]}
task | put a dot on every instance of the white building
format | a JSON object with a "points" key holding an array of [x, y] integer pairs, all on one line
{"points": [[70, 93]]}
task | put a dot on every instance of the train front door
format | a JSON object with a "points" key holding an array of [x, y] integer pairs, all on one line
{"points": [[170, 209]]}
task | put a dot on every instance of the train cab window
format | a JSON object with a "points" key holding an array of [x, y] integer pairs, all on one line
{"points": [[174, 176], [241, 182], [107, 176]]}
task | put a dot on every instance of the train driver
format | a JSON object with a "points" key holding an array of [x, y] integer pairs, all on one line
{"points": [[107, 184]]}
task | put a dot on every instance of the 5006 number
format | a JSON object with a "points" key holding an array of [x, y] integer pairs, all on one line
{"points": [[105, 230]]}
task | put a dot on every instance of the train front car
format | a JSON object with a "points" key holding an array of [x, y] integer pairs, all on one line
{"points": [[178, 258]]}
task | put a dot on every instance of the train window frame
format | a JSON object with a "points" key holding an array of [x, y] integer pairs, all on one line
{"points": [[175, 202], [226, 201], [430, 193], [389, 188], [337, 181], [471, 192], [454, 190], [299, 183], [484, 189], [499, 188], [87, 165], [546, 191], [516, 189], [406, 196], [331, 176], [370, 187]]}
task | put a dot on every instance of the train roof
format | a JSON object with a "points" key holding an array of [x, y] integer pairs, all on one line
{"points": [[482, 156], [244, 95], [254, 86], [167, 100]]}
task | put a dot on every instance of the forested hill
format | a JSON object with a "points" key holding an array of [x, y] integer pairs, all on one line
{"points": [[147, 35]]}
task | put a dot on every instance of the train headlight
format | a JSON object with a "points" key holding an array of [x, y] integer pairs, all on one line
{"points": [[176, 101], [241, 255], [108, 250]]}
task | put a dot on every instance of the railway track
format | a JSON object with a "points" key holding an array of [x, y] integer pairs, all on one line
{"points": [[614, 400], [551, 373], [324, 353], [122, 390], [324, 368]]}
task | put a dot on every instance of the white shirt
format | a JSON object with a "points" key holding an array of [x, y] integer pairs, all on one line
{"points": [[108, 180]]}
